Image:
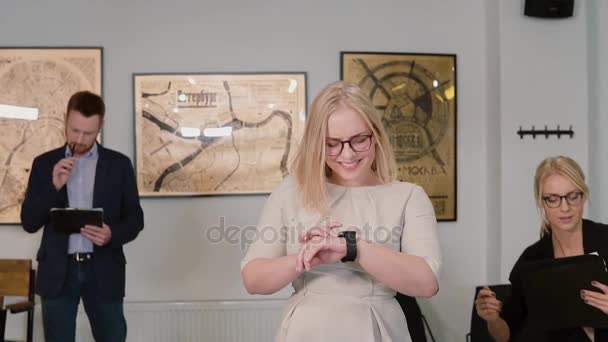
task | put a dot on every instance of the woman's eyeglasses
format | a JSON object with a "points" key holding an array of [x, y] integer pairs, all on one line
{"points": [[573, 198], [358, 143]]}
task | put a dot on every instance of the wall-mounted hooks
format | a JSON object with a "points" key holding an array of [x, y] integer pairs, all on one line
{"points": [[546, 132]]}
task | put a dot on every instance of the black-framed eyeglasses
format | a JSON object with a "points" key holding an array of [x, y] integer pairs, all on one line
{"points": [[573, 198], [358, 143]]}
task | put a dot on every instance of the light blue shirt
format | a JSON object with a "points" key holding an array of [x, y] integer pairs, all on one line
{"points": [[80, 194]]}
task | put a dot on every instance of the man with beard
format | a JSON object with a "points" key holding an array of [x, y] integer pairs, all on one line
{"points": [[89, 264]]}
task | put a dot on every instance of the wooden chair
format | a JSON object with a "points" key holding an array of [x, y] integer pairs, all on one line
{"points": [[17, 280]]}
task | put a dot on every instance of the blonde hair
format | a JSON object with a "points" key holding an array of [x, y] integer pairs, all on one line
{"points": [[559, 165], [309, 166]]}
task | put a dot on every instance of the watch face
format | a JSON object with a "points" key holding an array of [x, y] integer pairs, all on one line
{"points": [[350, 234], [416, 96]]}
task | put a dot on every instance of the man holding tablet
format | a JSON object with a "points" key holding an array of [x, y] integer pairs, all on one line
{"points": [[90, 263]]}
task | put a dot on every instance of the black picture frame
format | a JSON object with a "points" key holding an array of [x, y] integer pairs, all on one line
{"points": [[416, 94], [190, 163], [36, 83]]}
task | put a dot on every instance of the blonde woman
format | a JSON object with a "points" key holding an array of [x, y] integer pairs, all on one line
{"points": [[343, 232], [560, 192]]}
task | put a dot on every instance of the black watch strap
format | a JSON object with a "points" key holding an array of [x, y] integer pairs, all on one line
{"points": [[351, 245]]}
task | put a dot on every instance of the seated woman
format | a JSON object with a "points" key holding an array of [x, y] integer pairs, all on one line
{"points": [[561, 192], [343, 231]]}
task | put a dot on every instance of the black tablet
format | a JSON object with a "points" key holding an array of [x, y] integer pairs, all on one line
{"points": [[552, 288], [70, 220]]}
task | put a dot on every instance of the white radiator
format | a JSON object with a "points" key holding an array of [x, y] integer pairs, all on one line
{"points": [[208, 321]]}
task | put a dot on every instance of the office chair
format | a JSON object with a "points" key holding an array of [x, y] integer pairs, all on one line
{"points": [[416, 322], [17, 280]]}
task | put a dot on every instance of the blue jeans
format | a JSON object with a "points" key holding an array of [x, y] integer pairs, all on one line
{"points": [[107, 318]]}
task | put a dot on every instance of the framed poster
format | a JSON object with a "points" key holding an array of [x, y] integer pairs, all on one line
{"points": [[416, 95], [36, 85], [206, 134]]}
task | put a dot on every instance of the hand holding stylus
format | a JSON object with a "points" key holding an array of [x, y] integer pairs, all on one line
{"points": [[63, 170], [487, 305]]}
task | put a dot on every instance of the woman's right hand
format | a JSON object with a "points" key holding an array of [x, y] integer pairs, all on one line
{"points": [[320, 245], [319, 231], [487, 306]]}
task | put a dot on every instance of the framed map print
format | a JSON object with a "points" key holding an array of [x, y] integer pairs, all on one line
{"points": [[416, 96], [36, 84], [206, 134]]}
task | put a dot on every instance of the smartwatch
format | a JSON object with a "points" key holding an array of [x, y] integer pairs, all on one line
{"points": [[351, 245]]}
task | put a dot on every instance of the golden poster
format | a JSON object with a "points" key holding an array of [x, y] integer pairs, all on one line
{"points": [[205, 134], [416, 95], [36, 84]]}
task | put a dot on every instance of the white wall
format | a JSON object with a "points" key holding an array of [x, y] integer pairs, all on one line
{"points": [[598, 101], [543, 81], [511, 71], [493, 153]]}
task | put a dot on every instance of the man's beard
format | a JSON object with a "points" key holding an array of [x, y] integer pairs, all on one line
{"points": [[79, 149]]}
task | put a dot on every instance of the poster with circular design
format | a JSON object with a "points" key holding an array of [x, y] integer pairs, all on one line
{"points": [[416, 96], [36, 85]]}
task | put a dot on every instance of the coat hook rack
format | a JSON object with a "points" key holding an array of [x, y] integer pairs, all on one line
{"points": [[546, 132]]}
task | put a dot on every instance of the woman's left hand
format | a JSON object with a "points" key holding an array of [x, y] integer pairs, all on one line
{"points": [[320, 248], [597, 299]]}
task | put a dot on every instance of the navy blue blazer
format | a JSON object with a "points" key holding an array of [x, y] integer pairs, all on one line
{"points": [[115, 190]]}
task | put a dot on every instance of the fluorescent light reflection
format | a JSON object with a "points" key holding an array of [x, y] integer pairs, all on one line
{"points": [[190, 132], [450, 92], [218, 132], [16, 112], [293, 84]]}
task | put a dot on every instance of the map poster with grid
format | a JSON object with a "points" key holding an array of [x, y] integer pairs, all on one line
{"points": [[35, 86]]}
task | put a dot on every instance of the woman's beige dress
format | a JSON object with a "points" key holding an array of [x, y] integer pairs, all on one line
{"points": [[342, 302]]}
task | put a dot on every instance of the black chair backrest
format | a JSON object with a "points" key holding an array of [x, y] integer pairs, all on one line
{"points": [[479, 328], [2, 324], [413, 316]]}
